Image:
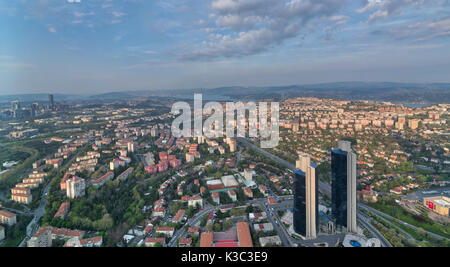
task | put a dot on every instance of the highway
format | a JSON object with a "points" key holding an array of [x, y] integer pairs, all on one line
{"points": [[323, 187], [377, 212]]}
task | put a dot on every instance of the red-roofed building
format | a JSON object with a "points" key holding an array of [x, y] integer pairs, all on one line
{"points": [[151, 169], [148, 229], [175, 163], [102, 180], [206, 240], [167, 231], [232, 195], [244, 237], [124, 175], [163, 156], [62, 185], [193, 231], [7, 217], [185, 242], [63, 210], [151, 241], [216, 197], [179, 216]]}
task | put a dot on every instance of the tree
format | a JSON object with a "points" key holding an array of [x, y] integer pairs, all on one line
{"points": [[227, 224], [421, 232], [217, 227]]}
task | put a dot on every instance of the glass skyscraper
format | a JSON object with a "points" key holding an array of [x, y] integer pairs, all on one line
{"points": [[343, 189], [306, 202], [51, 103]]}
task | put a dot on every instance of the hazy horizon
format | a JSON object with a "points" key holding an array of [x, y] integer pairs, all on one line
{"points": [[81, 47]]}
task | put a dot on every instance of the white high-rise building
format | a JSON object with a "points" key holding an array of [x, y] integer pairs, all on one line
{"points": [[311, 208], [75, 187]]}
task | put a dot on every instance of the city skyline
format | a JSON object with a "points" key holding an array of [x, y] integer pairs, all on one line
{"points": [[103, 46]]}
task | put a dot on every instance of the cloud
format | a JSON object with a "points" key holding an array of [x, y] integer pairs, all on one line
{"points": [[118, 14], [423, 31], [52, 29], [255, 26], [380, 9]]}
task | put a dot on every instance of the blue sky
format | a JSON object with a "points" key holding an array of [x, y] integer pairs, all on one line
{"points": [[95, 46]]}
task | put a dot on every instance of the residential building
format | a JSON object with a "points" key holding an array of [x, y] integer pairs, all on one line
{"points": [[75, 187], [7, 217], [167, 231], [43, 238], [63, 210], [243, 233], [151, 241], [2, 233]]}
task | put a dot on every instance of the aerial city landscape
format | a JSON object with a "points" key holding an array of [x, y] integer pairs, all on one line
{"points": [[90, 154]]}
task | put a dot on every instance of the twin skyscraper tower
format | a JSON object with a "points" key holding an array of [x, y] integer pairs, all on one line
{"points": [[343, 192]]}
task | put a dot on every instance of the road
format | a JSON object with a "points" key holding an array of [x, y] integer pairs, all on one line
{"points": [[33, 226], [324, 188], [377, 212], [267, 154], [273, 218], [191, 222]]}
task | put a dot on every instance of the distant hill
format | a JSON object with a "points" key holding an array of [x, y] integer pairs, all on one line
{"points": [[392, 92], [38, 97], [427, 93]]}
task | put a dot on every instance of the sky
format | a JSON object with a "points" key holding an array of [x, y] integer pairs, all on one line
{"points": [[97, 46]]}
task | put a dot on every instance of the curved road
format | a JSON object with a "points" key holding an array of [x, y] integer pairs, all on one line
{"points": [[325, 188], [377, 212]]}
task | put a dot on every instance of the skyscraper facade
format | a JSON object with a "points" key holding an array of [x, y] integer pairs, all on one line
{"points": [[15, 107], [343, 196], [51, 103], [306, 216]]}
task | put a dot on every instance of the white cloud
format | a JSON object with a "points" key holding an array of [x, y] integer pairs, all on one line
{"points": [[380, 9], [258, 25], [52, 29]]}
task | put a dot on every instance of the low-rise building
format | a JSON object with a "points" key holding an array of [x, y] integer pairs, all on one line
{"points": [[124, 175], [248, 192], [102, 180], [22, 198], [43, 238], [167, 231], [96, 241], [206, 240], [185, 242], [63, 210], [232, 195], [439, 204], [270, 241], [195, 201], [152, 241], [243, 233], [265, 227], [216, 197], [7, 217], [2, 233]]}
